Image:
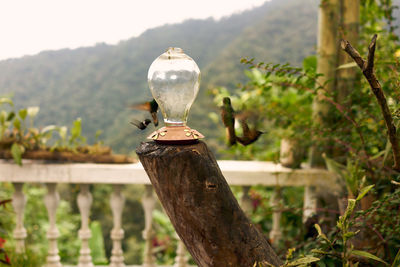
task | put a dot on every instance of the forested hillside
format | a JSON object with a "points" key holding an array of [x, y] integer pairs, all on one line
{"points": [[98, 83]]}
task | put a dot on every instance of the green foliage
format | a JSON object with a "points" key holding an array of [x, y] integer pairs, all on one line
{"points": [[165, 243], [346, 226], [278, 99], [96, 244], [17, 150], [27, 259]]}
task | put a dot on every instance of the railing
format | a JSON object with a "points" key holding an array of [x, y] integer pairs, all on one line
{"points": [[238, 173]]}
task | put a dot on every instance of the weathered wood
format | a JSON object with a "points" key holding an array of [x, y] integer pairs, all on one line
{"points": [[201, 206]]}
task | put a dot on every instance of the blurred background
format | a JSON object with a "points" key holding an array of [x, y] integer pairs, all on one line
{"points": [[89, 60]]}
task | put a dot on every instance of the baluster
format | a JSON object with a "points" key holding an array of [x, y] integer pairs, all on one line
{"points": [[51, 201], [276, 232], [18, 203], [245, 201], [148, 202], [310, 202], [84, 203], [117, 233], [181, 260]]}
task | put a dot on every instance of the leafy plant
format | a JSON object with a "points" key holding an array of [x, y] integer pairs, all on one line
{"points": [[17, 136], [346, 233], [301, 261]]}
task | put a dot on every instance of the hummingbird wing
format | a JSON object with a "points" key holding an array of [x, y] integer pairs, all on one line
{"points": [[249, 135], [138, 124], [146, 122], [150, 106], [141, 106]]}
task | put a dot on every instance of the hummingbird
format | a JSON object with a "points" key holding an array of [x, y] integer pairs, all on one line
{"points": [[141, 124], [228, 119], [249, 135], [150, 106]]}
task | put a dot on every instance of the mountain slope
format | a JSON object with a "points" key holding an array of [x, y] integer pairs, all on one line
{"points": [[97, 83]]}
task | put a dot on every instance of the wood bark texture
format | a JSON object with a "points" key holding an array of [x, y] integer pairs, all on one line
{"points": [[201, 206]]}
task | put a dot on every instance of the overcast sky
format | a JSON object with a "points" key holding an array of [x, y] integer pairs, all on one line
{"points": [[30, 26]]}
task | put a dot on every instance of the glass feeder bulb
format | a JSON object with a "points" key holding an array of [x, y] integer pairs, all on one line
{"points": [[174, 80]]}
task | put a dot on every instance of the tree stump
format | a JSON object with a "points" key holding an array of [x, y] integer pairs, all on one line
{"points": [[201, 206]]}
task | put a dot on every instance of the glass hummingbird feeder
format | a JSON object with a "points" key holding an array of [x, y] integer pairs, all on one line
{"points": [[174, 80]]}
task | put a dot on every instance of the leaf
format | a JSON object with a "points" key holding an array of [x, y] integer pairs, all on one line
{"points": [[351, 203], [49, 128], [10, 116], [301, 261], [396, 259], [349, 235], [348, 65], [17, 124], [341, 223], [335, 167], [5, 100], [364, 191], [22, 113], [62, 131], [367, 255], [17, 151], [320, 233], [310, 63], [387, 151], [76, 128]]}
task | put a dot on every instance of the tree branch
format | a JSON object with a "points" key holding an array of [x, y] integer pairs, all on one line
{"points": [[367, 68]]}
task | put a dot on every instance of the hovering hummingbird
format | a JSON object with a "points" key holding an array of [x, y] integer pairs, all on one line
{"points": [[141, 124], [151, 106], [228, 118], [249, 135]]}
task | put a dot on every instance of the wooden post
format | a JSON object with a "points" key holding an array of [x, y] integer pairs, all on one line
{"points": [[346, 77], [326, 64], [201, 206]]}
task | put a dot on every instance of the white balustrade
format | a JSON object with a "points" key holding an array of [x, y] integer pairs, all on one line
{"points": [[276, 203], [18, 203], [117, 202], [310, 202], [245, 201], [240, 173], [51, 201], [181, 260], [148, 202], [84, 204]]}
